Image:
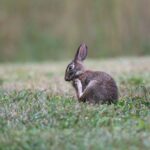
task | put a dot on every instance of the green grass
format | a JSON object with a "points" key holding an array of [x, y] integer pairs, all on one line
{"points": [[38, 110]]}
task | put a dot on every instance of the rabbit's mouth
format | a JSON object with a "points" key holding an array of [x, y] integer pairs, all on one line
{"points": [[67, 79], [70, 77], [73, 75]]}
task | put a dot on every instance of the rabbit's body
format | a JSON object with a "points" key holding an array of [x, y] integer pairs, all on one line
{"points": [[97, 87], [90, 86]]}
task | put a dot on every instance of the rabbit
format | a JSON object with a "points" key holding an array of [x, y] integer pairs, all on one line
{"points": [[90, 86]]}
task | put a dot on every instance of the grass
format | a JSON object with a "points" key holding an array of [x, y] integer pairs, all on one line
{"points": [[39, 110]]}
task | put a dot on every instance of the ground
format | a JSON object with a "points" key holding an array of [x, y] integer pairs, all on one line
{"points": [[39, 110]]}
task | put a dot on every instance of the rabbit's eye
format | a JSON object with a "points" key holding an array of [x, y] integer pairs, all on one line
{"points": [[71, 67]]}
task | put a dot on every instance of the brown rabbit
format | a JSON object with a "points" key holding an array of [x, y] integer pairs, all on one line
{"points": [[91, 86]]}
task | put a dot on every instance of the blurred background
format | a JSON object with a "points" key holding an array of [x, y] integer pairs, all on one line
{"points": [[43, 30]]}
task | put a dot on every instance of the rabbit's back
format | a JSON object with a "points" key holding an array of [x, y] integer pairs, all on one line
{"points": [[100, 87]]}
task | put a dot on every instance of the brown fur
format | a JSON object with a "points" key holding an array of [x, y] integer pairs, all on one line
{"points": [[103, 90], [97, 87]]}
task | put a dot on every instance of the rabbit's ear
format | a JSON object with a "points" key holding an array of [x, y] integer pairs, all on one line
{"points": [[81, 53]]}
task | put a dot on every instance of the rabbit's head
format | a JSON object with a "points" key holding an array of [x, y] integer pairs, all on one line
{"points": [[76, 68]]}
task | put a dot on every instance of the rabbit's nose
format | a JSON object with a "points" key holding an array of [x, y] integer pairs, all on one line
{"points": [[66, 79]]}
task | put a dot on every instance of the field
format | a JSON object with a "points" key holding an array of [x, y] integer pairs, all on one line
{"points": [[39, 30], [39, 110]]}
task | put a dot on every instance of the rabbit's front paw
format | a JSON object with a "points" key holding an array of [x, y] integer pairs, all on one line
{"points": [[78, 85]]}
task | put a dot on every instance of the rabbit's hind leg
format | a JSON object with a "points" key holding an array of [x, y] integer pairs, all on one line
{"points": [[88, 93]]}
